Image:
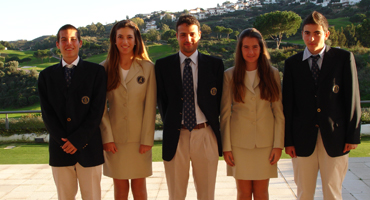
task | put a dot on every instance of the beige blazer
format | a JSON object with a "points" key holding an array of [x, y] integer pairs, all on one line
{"points": [[132, 107], [254, 123]]}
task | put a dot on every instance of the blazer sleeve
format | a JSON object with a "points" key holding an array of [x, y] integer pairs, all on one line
{"points": [[161, 94], [80, 138], [106, 127], [148, 125], [279, 121], [226, 103], [49, 116], [352, 102], [288, 98]]}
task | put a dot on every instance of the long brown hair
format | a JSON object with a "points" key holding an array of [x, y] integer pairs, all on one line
{"points": [[113, 58], [268, 85]]}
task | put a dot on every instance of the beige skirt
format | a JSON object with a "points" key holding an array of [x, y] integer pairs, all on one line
{"points": [[252, 164], [127, 163]]}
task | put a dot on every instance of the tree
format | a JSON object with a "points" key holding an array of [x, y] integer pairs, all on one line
{"points": [[206, 30], [100, 29], [165, 28], [363, 31], [227, 31], [174, 43], [364, 5], [236, 34], [139, 22], [276, 24], [357, 18], [169, 34], [153, 35], [219, 29], [350, 33]]}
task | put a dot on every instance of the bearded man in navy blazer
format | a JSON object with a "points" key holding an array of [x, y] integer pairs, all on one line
{"points": [[189, 87], [322, 111], [72, 97]]}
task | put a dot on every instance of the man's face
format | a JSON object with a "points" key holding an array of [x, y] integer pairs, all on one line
{"points": [[69, 45], [314, 37], [188, 37]]}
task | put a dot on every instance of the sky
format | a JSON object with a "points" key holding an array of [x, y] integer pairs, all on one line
{"points": [[30, 19]]}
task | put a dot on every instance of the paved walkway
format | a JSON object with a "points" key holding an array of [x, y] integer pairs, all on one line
{"points": [[36, 182]]}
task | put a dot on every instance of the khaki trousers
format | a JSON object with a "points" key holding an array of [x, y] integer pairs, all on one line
{"points": [[332, 170], [199, 147], [89, 178]]}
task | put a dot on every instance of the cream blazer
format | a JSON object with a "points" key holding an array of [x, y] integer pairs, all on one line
{"points": [[254, 123], [132, 107]]}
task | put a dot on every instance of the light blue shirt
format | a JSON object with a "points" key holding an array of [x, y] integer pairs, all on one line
{"points": [[307, 55]]}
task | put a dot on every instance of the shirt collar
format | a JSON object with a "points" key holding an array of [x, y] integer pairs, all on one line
{"points": [[307, 54], [75, 63], [193, 57]]}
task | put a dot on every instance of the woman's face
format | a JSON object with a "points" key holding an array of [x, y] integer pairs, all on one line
{"points": [[125, 40], [251, 50]]}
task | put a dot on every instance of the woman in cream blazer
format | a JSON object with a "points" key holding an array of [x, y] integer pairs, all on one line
{"points": [[129, 118], [252, 120]]}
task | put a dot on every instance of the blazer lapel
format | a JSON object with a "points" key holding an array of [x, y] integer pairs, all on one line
{"points": [[304, 68], [256, 82], [59, 78], [203, 73], [134, 69], [174, 70], [327, 65], [78, 75]]}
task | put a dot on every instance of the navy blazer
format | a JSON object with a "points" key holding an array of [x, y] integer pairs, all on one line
{"points": [[74, 112], [334, 106], [170, 97]]}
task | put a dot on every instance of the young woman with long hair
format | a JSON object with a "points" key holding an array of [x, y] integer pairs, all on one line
{"points": [[128, 124], [252, 119]]}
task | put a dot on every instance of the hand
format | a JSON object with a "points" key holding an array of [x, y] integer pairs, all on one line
{"points": [[348, 147], [110, 147], [144, 148], [229, 158], [275, 155], [290, 151], [68, 146]]}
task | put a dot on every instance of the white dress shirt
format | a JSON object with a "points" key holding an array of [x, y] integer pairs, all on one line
{"points": [[75, 63], [194, 67]]}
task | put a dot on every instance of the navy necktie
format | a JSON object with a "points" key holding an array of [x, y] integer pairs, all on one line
{"points": [[68, 74], [315, 68], [189, 103]]}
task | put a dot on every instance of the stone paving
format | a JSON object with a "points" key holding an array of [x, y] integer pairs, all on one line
{"points": [[36, 182]]}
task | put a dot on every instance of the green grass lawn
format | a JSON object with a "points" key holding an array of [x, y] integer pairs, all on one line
{"points": [[32, 107], [157, 51], [31, 153], [339, 22], [97, 58]]}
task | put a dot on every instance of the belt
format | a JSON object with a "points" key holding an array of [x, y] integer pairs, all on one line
{"points": [[198, 126]]}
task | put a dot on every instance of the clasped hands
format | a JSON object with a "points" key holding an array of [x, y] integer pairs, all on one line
{"points": [[68, 146], [111, 147]]}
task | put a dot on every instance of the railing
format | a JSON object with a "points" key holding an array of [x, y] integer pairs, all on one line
{"points": [[16, 112], [39, 111]]}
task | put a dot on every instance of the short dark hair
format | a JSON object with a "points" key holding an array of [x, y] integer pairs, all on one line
{"points": [[316, 18], [66, 27], [187, 19]]}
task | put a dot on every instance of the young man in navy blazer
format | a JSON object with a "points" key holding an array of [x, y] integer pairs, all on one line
{"points": [[322, 111], [189, 87], [72, 97]]}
